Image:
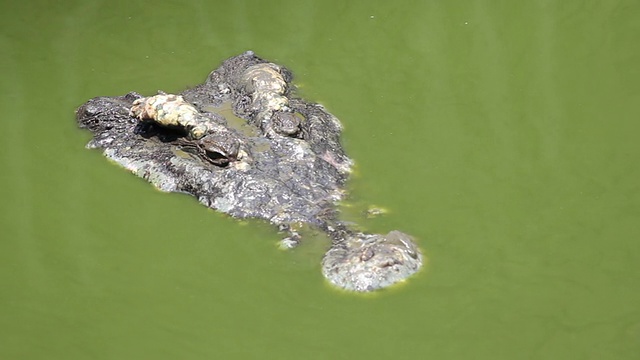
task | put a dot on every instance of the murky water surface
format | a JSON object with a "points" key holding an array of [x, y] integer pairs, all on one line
{"points": [[503, 136]]}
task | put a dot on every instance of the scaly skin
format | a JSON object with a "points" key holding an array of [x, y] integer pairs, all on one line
{"points": [[284, 163]]}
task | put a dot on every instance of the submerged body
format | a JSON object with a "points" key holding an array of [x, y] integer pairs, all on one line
{"points": [[282, 163]]}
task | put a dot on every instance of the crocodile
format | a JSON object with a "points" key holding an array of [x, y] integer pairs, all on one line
{"points": [[244, 144]]}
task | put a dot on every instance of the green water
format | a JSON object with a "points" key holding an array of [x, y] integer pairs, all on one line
{"points": [[503, 135]]}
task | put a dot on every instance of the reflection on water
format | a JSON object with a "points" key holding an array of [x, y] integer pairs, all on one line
{"points": [[500, 135]]}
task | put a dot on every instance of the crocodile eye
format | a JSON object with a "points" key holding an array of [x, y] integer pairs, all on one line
{"points": [[217, 158], [286, 123]]}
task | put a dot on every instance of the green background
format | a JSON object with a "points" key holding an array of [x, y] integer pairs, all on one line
{"points": [[502, 135]]}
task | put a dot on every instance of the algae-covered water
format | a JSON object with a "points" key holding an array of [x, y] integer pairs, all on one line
{"points": [[502, 135]]}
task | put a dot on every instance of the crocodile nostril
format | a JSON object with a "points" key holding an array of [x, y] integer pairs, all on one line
{"points": [[367, 254]]}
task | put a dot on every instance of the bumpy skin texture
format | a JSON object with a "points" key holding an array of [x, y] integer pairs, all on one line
{"points": [[287, 165]]}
